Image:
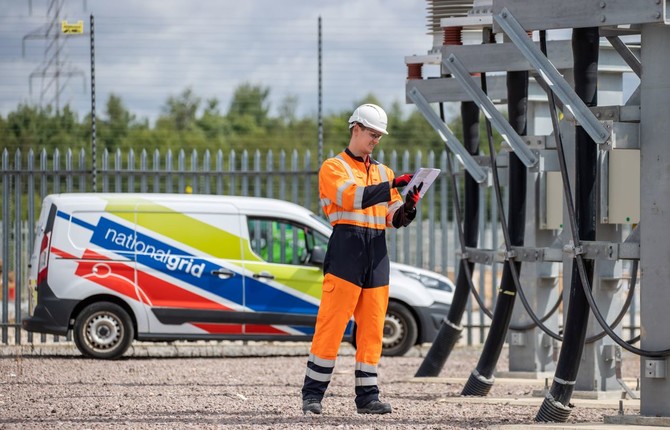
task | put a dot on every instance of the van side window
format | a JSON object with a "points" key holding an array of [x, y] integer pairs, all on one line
{"points": [[320, 240], [279, 241]]}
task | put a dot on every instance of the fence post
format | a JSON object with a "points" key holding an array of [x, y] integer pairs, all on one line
{"points": [[219, 172], [18, 269], [157, 168], [181, 170], [393, 235], [194, 173], [244, 169], [6, 178], [206, 171], [144, 171], [130, 168], [105, 170], [118, 167], [56, 169], [405, 231], [418, 222], [431, 218], [294, 176], [231, 168], [444, 214], [282, 178], [68, 171], [169, 186], [82, 170], [307, 193], [43, 176], [270, 169], [31, 219]]}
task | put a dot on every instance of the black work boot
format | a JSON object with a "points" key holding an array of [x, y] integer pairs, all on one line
{"points": [[312, 406], [375, 407]]}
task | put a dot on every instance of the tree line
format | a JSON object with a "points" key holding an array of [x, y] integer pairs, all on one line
{"points": [[188, 121]]}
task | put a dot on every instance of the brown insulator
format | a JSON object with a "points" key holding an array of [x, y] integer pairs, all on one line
{"points": [[452, 36], [414, 71]]}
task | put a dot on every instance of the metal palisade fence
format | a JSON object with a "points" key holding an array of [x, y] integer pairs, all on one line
{"points": [[288, 175]]}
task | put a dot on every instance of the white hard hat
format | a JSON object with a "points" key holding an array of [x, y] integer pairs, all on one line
{"points": [[371, 116]]}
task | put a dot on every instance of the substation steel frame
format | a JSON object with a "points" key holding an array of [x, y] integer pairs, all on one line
{"points": [[614, 17], [654, 218]]}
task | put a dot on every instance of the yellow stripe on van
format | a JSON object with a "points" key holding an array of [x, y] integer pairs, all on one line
{"points": [[179, 227], [307, 280]]}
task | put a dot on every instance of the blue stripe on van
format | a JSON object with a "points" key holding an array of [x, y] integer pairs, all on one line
{"points": [[262, 297], [74, 220]]}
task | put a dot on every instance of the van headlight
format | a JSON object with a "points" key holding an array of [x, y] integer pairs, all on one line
{"points": [[429, 281]]}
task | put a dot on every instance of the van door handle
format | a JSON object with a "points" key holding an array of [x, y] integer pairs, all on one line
{"points": [[264, 274], [223, 273]]}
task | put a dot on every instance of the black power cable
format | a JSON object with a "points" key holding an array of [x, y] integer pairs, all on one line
{"points": [[508, 245], [450, 329], [461, 235], [624, 308], [506, 236], [579, 259]]}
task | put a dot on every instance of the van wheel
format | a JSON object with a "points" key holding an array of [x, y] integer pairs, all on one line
{"points": [[400, 330], [103, 330]]}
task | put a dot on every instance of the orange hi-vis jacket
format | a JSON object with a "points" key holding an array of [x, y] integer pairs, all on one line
{"points": [[360, 203], [347, 196]]}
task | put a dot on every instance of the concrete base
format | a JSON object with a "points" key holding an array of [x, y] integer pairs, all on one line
{"points": [[592, 395], [602, 395], [524, 375], [637, 420]]}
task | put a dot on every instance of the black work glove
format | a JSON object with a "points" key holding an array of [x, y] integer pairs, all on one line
{"points": [[412, 198], [401, 180]]}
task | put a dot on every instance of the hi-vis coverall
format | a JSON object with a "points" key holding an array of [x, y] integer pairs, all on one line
{"points": [[360, 203]]}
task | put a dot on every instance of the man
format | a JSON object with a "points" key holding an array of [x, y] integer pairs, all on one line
{"points": [[360, 198]]}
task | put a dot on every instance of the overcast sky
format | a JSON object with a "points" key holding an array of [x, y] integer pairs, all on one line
{"points": [[146, 51]]}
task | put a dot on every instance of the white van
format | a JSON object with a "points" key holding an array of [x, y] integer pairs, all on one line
{"points": [[164, 267]]}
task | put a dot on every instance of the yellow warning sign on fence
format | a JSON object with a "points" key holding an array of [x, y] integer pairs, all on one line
{"points": [[76, 28]]}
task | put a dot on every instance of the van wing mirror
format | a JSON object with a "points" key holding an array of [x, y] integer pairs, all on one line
{"points": [[317, 256]]}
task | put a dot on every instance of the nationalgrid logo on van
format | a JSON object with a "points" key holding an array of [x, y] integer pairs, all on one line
{"points": [[149, 251]]}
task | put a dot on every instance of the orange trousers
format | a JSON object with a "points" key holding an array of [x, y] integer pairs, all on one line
{"points": [[339, 301]]}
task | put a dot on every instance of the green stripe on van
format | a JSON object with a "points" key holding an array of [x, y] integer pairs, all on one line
{"points": [[179, 227]]}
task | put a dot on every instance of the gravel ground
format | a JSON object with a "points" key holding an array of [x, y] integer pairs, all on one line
{"points": [[256, 392]]}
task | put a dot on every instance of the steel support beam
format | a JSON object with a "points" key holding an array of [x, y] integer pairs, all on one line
{"points": [[552, 77], [527, 157], [552, 14], [454, 145], [654, 210]]}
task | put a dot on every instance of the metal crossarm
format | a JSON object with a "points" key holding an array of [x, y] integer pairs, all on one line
{"points": [[485, 104], [468, 162], [552, 77], [626, 54]]}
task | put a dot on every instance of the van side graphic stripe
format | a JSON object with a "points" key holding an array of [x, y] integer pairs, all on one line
{"points": [[221, 328], [119, 276], [177, 263], [74, 220], [181, 315], [179, 227], [122, 283]]}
